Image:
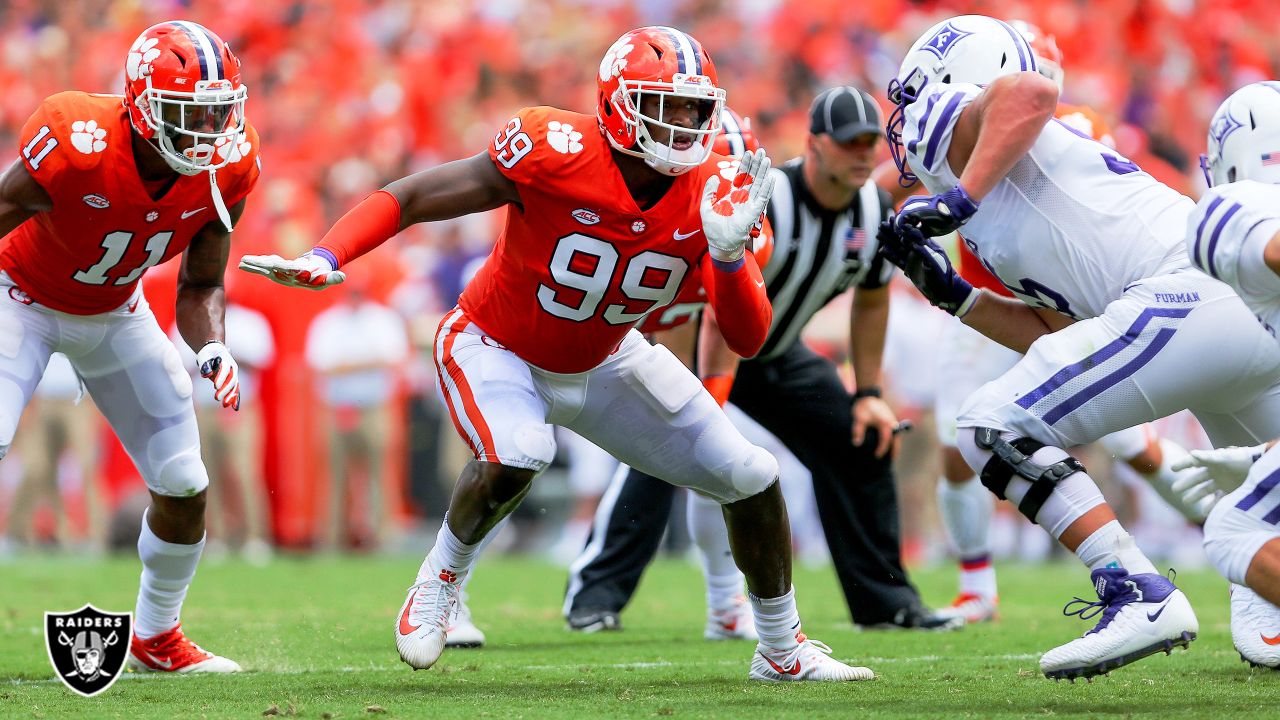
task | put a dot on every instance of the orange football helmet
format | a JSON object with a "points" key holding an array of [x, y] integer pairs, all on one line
{"points": [[666, 63], [183, 92], [736, 136]]}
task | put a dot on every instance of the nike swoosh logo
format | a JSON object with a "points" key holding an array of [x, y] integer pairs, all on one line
{"points": [[1270, 640], [1152, 616], [166, 664], [677, 235], [188, 213], [759, 283], [795, 669], [405, 627]]}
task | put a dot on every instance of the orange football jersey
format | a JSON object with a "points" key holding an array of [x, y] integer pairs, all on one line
{"points": [[693, 296], [578, 263], [86, 255]]}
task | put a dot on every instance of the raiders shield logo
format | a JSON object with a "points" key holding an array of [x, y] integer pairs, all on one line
{"points": [[88, 647]]}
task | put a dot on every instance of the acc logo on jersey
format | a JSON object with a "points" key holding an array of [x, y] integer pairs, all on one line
{"points": [[95, 200], [87, 137], [943, 40], [585, 216], [563, 137]]}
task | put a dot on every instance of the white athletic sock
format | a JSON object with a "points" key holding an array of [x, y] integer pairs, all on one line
{"points": [[777, 620], [966, 514], [167, 570], [707, 526], [1111, 546], [449, 553]]}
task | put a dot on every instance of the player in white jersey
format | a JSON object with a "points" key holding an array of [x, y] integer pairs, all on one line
{"points": [[1113, 321], [1234, 235]]}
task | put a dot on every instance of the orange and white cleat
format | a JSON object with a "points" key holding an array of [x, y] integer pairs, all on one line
{"points": [[174, 652], [423, 623], [974, 608], [737, 622], [810, 660]]}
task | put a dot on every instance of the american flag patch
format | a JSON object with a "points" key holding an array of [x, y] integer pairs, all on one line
{"points": [[1271, 158], [855, 238]]}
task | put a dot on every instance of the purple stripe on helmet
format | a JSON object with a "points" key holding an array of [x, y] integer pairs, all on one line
{"points": [[1162, 338], [681, 67], [1066, 374], [217, 48], [1259, 491], [697, 57], [195, 43], [1217, 231], [1195, 251], [924, 120], [935, 137], [1028, 60]]}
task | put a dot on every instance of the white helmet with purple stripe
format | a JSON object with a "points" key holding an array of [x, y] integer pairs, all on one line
{"points": [[1244, 137], [965, 49]]}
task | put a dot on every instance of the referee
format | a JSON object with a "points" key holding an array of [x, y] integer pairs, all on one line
{"points": [[824, 211]]}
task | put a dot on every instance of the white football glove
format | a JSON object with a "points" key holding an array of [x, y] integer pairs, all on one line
{"points": [[730, 222], [1212, 470], [215, 362], [308, 271]]}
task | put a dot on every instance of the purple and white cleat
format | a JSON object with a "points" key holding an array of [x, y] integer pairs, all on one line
{"points": [[1141, 615]]}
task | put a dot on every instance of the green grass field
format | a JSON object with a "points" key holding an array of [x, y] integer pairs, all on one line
{"points": [[315, 635]]}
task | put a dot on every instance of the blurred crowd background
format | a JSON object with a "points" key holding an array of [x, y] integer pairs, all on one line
{"points": [[341, 445]]}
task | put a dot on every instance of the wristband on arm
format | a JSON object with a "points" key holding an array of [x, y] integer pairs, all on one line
{"points": [[719, 385]]}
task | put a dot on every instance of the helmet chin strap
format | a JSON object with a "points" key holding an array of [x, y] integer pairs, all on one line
{"points": [[218, 203]]}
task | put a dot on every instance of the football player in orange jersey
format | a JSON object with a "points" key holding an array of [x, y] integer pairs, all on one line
{"points": [[609, 214], [106, 187]]}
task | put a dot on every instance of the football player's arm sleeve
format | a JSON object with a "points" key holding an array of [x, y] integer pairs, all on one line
{"points": [[448, 191], [738, 297]]}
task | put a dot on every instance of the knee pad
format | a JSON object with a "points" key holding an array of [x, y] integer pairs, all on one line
{"points": [[536, 443], [753, 473], [1232, 537], [1013, 457], [182, 475]]}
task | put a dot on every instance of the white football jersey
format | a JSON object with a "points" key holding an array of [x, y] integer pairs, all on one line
{"points": [[1072, 224], [1226, 235]]}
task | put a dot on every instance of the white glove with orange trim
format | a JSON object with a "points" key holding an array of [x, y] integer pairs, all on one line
{"points": [[215, 362], [731, 221], [309, 271]]}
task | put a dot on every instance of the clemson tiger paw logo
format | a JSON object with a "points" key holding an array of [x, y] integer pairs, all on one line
{"points": [[616, 59], [141, 54], [87, 137], [449, 576], [563, 137], [233, 150], [728, 169]]}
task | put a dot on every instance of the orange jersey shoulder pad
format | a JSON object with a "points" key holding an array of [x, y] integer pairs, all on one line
{"points": [[238, 177], [542, 145], [70, 131], [1086, 120]]}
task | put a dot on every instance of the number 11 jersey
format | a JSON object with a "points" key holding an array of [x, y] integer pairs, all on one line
{"points": [[578, 262], [87, 254]]}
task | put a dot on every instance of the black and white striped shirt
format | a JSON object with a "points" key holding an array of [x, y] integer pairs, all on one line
{"points": [[818, 253]]}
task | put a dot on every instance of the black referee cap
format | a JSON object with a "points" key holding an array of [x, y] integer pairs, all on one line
{"points": [[844, 113]]}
